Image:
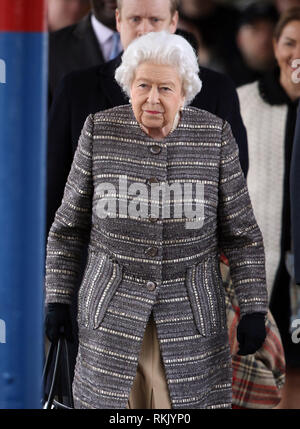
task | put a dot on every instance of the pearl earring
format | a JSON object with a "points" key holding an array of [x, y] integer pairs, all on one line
{"points": [[130, 100]]}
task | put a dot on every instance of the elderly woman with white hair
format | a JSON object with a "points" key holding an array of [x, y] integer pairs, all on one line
{"points": [[151, 305]]}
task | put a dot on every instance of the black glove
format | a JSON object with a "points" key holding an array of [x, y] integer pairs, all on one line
{"points": [[251, 333], [58, 321]]}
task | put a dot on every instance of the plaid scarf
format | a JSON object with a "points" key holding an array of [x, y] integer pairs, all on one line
{"points": [[257, 378]]}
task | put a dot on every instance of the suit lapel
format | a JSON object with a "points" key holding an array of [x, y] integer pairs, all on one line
{"points": [[88, 46]]}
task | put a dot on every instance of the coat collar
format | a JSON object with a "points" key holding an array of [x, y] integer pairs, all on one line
{"points": [[109, 68], [138, 132], [271, 90]]}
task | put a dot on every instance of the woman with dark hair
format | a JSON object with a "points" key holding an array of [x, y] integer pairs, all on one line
{"points": [[269, 107]]}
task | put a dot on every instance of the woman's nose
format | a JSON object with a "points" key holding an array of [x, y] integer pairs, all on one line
{"points": [[153, 97]]}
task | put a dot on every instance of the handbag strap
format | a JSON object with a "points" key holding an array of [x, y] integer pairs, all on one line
{"points": [[48, 361], [62, 342], [68, 373]]}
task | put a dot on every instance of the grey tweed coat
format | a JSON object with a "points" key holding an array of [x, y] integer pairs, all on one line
{"points": [[138, 265]]}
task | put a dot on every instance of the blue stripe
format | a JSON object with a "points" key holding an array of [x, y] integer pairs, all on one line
{"points": [[22, 215]]}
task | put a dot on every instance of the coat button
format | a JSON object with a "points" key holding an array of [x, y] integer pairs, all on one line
{"points": [[151, 251], [151, 286], [153, 219], [152, 180], [155, 149]]}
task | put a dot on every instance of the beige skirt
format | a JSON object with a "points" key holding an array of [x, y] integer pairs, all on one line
{"points": [[150, 389]]}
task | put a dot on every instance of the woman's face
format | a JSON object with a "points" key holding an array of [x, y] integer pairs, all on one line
{"points": [[287, 49], [156, 96]]}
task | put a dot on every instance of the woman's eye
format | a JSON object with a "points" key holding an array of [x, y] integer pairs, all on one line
{"points": [[142, 85], [289, 43], [165, 88]]}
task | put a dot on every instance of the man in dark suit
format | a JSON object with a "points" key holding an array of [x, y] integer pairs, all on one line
{"points": [[84, 92], [295, 198], [82, 45]]}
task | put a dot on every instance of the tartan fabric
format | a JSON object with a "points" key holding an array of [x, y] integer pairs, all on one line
{"points": [[257, 379]]}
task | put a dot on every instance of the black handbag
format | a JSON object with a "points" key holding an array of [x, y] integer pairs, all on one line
{"points": [[58, 377]]}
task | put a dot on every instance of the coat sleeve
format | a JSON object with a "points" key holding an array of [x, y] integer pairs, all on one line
{"points": [[59, 150], [229, 109], [70, 230], [239, 235]]}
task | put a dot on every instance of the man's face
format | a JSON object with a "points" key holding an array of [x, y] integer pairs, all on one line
{"points": [[138, 17], [104, 11]]}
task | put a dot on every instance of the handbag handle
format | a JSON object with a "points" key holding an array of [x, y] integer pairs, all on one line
{"points": [[62, 342]]}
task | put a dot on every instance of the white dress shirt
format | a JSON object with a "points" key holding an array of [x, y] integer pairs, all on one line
{"points": [[104, 37]]}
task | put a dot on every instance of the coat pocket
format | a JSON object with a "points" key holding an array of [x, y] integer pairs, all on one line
{"points": [[207, 296], [100, 282]]}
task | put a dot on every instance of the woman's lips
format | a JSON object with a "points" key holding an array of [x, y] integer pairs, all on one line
{"points": [[153, 112]]}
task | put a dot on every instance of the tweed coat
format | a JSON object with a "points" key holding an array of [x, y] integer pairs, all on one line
{"points": [[142, 264]]}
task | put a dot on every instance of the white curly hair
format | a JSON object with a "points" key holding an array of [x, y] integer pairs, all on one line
{"points": [[161, 48]]}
